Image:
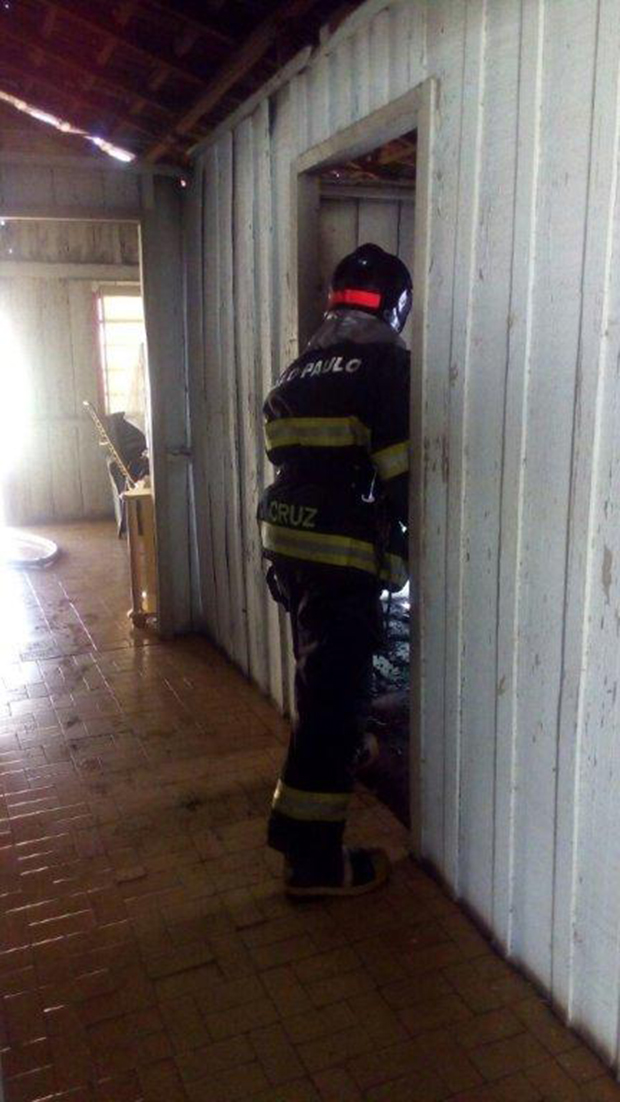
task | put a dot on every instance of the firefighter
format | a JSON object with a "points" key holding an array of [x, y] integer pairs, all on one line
{"points": [[333, 530]]}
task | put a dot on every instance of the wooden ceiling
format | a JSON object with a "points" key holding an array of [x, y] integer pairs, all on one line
{"points": [[394, 163], [151, 76]]}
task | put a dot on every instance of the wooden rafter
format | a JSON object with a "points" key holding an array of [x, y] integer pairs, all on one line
{"points": [[123, 14], [82, 100], [106, 63], [16, 125], [202, 28], [95, 23], [27, 38], [248, 54], [401, 151]]}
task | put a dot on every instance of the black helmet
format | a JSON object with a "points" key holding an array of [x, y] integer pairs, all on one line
{"points": [[373, 280]]}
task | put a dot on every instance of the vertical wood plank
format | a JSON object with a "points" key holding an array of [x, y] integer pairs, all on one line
{"points": [[283, 326], [162, 273], [531, 38], [587, 884], [405, 250], [263, 225], [128, 242], [210, 433], [446, 37], [198, 307], [341, 81], [250, 394], [486, 341], [318, 96], [27, 297], [64, 454], [562, 197], [16, 308], [337, 235], [585, 974], [407, 46], [20, 185], [95, 484], [361, 66], [302, 114], [308, 302], [459, 750], [19, 308], [379, 53], [227, 170], [56, 382], [36, 483], [120, 189], [78, 187], [420, 373], [378, 223]]}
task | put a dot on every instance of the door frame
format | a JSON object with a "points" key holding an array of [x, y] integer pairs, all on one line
{"points": [[412, 111]]}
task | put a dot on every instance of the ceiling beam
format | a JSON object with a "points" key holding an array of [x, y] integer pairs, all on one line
{"points": [[17, 125], [116, 124], [29, 39], [248, 54], [204, 30], [83, 100], [101, 26]]}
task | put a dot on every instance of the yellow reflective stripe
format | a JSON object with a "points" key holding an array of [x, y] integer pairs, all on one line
{"points": [[319, 547], [325, 807], [392, 461], [332, 550], [317, 432]]}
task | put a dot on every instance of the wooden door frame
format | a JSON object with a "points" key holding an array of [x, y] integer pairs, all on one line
{"points": [[412, 111], [158, 217]]}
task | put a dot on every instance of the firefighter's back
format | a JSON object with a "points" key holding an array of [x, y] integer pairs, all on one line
{"points": [[325, 424]]}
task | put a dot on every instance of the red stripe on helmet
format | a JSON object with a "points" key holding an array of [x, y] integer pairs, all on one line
{"points": [[371, 299]]}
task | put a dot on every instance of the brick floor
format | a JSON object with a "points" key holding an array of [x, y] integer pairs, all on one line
{"points": [[147, 950]]}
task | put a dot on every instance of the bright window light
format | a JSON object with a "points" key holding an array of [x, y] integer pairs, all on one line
{"points": [[14, 397], [121, 342], [66, 127]]}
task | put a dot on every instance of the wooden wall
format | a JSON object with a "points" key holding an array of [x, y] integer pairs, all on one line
{"points": [[53, 186], [56, 186], [61, 472], [47, 241], [521, 574]]}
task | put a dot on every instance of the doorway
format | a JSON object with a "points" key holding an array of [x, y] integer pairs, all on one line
{"points": [[371, 183], [72, 331]]}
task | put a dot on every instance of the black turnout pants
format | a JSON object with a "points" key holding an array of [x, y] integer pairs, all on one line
{"points": [[336, 625]]}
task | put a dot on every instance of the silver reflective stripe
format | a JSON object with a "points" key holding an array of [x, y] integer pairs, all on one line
{"points": [[392, 461], [317, 432], [320, 547], [322, 807], [333, 551]]}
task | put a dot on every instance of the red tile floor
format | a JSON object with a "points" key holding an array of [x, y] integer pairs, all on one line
{"points": [[147, 950]]}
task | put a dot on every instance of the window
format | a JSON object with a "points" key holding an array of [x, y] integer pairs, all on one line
{"points": [[120, 318]]}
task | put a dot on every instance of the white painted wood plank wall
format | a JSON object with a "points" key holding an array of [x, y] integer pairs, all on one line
{"points": [[59, 187], [521, 532], [61, 472], [53, 189]]}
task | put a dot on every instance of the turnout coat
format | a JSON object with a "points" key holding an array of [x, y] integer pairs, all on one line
{"points": [[337, 430]]}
